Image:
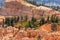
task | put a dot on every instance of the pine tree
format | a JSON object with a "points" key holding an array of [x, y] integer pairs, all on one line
{"points": [[12, 22], [29, 25], [54, 26], [53, 19], [56, 19], [42, 21], [14, 18], [33, 20], [17, 18], [3, 23], [7, 21], [48, 19], [21, 18]]}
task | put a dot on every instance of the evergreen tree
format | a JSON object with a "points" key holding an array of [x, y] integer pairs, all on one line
{"points": [[42, 21], [34, 25], [7, 21], [52, 18], [17, 18], [54, 26], [21, 18], [29, 25], [12, 22], [14, 18], [33, 20], [56, 19], [3, 23], [48, 19]]}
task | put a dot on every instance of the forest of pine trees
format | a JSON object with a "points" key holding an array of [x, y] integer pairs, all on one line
{"points": [[33, 23]]}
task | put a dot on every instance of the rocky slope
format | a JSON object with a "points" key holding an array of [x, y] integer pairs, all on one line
{"points": [[22, 8], [12, 33]]}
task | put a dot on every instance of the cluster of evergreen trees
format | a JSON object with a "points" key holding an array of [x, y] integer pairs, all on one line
{"points": [[31, 23], [43, 4], [11, 20], [34, 3], [52, 19]]}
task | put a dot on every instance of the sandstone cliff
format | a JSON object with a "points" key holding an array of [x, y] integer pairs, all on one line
{"points": [[20, 7]]}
